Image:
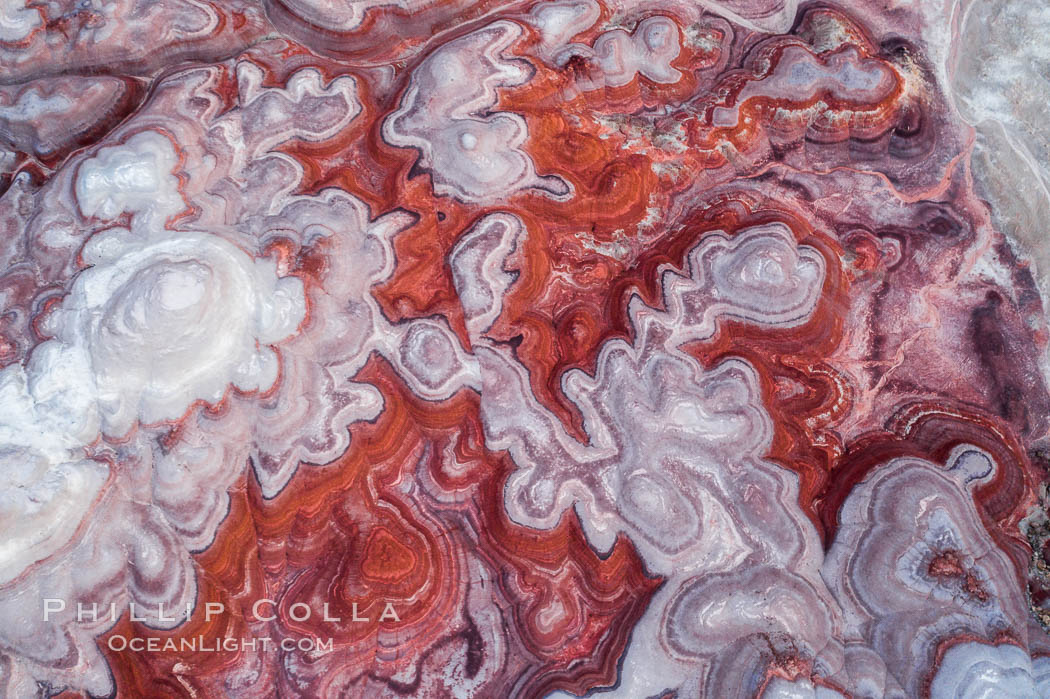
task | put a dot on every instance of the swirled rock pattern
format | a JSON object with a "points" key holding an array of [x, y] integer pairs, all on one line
{"points": [[360, 348]]}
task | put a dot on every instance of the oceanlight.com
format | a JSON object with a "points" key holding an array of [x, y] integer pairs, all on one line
{"points": [[263, 610], [152, 644]]}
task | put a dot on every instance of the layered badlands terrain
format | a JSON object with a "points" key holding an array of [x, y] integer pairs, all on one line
{"points": [[524, 349]]}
